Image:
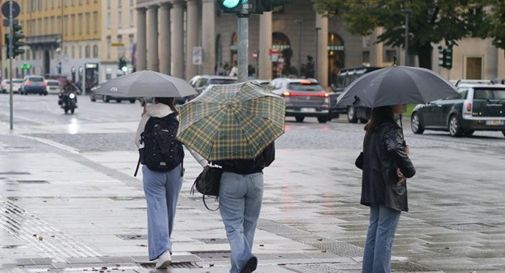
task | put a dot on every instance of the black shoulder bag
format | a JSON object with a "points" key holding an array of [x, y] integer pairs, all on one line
{"points": [[208, 182]]}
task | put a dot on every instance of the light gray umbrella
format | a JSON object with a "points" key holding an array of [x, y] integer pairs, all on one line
{"points": [[396, 85], [146, 84]]}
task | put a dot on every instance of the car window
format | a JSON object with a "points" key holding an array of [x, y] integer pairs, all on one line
{"points": [[35, 79], [51, 83], [201, 82], [17, 81], [305, 86], [222, 81], [489, 94]]}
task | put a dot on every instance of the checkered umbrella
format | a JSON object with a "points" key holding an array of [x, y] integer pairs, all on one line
{"points": [[235, 121]]}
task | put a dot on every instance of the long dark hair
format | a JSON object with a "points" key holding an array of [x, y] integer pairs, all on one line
{"points": [[168, 101], [379, 116]]}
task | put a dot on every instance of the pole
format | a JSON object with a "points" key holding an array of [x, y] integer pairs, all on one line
{"points": [[300, 29], [243, 43], [407, 11], [316, 64], [11, 54]]}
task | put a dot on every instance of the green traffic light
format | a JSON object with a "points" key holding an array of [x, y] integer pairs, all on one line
{"points": [[230, 4]]}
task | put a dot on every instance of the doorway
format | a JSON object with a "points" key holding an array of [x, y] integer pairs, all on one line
{"points": [[474, 68]]}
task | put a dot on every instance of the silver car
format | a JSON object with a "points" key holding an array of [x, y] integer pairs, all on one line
{"points": [[53, 86], [304, 98]]}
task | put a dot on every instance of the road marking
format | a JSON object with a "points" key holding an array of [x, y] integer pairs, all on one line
{"points": [[53, 144]]}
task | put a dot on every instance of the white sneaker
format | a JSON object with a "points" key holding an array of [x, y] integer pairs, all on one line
{"points": [[164, 260]]}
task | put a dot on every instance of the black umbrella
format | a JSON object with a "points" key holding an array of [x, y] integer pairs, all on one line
{"points": [[396, 85]]}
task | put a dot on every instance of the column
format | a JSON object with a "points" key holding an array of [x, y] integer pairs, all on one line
{"points": [[191, 36], [178, 39], [152, 38], [501, 63], [265, 44], [164, 38], [209, 36], [322, 41], [141, 58]]}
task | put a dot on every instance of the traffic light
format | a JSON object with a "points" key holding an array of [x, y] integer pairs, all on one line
{"points": [[231, 6], [445, 57], [122, 64], [260, 6], [17, 41]]}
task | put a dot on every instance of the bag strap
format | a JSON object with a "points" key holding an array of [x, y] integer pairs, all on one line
{"points": [[206, 206], [137, 169]]}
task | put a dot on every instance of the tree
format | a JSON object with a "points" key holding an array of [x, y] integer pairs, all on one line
{"points": [[495, 20], [431, 21]]}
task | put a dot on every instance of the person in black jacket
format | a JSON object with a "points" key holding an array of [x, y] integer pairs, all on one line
{"points": [[240, 197], [386, 165]]}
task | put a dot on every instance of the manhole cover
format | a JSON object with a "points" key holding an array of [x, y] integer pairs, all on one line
{"points": [[173, 265], [32, 181], [132, 236]]}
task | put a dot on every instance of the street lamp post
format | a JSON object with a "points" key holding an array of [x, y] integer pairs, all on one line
{"points": [[316, 65], [300, 41]]}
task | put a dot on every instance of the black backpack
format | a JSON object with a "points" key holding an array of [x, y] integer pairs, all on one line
{"points": [[162, 152]]}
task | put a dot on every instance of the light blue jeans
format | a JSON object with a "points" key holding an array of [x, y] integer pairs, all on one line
{"points": [[240, 199], [162, 192], [379, 241]]}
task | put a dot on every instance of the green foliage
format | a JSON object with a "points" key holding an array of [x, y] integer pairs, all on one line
{"points": [[496, 22], [431, 21]]}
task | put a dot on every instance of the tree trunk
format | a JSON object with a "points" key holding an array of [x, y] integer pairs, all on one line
{"points": [[424, 53]]}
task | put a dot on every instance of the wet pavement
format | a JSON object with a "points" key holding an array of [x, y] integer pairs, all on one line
{"points": [[69, 202]]}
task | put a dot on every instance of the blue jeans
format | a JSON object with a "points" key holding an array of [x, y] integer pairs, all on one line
{"points": [[240, 199], [379, 240], [162, 192]]}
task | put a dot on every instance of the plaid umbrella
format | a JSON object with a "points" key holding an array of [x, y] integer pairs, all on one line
{"points": [[235, 121]]}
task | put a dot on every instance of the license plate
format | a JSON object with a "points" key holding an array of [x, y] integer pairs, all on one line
{"points": [[308, 110], [494, 122]]}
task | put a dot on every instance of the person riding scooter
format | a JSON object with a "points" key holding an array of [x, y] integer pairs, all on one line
{"points": [[68, 98]]}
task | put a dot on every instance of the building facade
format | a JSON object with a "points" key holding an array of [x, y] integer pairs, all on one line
{"points": [[117, 38], [62, 37]]}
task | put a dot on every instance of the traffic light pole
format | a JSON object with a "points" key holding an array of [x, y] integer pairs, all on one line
{"points": [[243, 44], [11, 54]]}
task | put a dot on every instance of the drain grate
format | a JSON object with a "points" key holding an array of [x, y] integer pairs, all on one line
{"points": [[33, 181], [214, 241], [132, 236], [173, 265], [212, 255]]}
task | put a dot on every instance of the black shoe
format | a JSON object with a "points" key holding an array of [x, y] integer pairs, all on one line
{"points": [[250, 266]]}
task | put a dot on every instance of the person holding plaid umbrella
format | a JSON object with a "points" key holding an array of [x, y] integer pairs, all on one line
{"points": [[235, 126]]}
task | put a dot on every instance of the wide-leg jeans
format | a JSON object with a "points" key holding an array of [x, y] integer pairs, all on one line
{"points": [[379, 241], [240, 198], [162, 192]]}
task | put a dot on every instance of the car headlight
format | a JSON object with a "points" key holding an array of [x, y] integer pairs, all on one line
{"points": [[72, 96]]}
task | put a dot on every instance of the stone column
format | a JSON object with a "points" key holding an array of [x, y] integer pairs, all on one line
{"points": [[265, 44], [152, 38], [165, 39], [209, 36], [177, 39], [191, 36], [141, 58], [322, 41], [501, 63]]}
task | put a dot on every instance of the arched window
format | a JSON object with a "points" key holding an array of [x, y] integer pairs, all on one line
{"points": [[336, 56], [95, 51], [87, 52]]}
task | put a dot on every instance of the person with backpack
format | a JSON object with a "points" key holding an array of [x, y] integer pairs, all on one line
{"points": [[240, 198], [161, 155]]}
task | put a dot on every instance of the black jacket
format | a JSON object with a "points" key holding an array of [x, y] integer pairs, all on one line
{"points": [[249, 166], [384, 153]]}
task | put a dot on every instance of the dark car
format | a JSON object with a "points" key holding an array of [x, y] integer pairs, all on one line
{"points": [[303, 97], [345, 78], [201, 82], [94, 97], [33, 85], [478, 107]]}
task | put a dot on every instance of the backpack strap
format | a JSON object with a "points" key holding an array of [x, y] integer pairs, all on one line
{"points": [[137, 169]]}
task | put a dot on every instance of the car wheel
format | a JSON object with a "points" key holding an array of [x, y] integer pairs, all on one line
{"points": [[468, 133], [66, 111], [132, 101], [454, 126], [299, 118], [106, 99], [322, 119], [351, 115], [93, 99], [415, 124], [362, 120], [503, 132], [72, 111], [118, 101]]}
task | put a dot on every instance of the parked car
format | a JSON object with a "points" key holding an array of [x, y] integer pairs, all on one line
{"points": [[53, 86], [94, 97], [201, 82], [33, 85], [345, 78], [304, 98], [477, 107], [16, 84]]}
